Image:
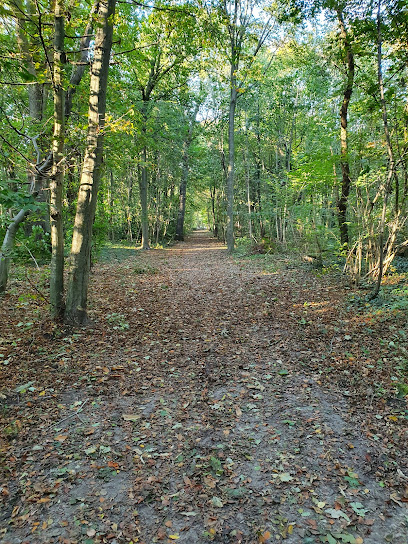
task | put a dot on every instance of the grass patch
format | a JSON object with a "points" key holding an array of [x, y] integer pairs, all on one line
{"points": [[118, 251]]}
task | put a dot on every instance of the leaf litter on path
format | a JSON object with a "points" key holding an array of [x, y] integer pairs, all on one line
{"points": [[213, 415]]}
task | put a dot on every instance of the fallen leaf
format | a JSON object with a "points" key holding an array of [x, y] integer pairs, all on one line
{"points": [[265, 537], [217, 502], [131, 417]]}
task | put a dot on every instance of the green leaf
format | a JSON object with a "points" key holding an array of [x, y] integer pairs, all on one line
{"points": [[337, 514], [346, 538], [237, 493], [25, 387], [358, 508], [217, 502], [216, 465]]}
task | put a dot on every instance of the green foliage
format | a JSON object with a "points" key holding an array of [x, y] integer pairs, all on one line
{"points": [[149, 270], [36, 246], [118, 321], [17, 199]]}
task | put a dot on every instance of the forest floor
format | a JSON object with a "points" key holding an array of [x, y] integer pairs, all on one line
{"points": [[209, 400]]}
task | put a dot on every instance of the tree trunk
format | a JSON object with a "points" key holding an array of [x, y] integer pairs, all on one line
{"points": [[231, 158], [182, 200], [344, 163], [37, 102], [391, 165], [36, 106], [143, 188], [77, 295], [129, 176], [7, 247], [186, 168], [57, 178]]}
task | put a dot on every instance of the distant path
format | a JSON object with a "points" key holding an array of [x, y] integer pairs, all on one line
{"points": [[206, 419]]}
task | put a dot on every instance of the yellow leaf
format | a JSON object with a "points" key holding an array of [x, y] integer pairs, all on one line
{"points": [[290, 529], [42, 394], [174, 537], [393, 418]]}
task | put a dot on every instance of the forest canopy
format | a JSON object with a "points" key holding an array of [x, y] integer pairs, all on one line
{"points": [[279, 125]]}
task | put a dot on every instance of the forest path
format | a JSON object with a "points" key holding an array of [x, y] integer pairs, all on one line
{"points": [[194, 410]]}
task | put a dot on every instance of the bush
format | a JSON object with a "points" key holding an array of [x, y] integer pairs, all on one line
{"points": [[36, 246]]}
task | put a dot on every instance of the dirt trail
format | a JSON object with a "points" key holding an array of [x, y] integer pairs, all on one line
{"points": [[202, 417]]}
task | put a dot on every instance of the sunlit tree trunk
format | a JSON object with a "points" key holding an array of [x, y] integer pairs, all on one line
{"points": [[344, 163], [391, 166], [77, 295], [57, 177], [231, 155], [143, 189]]}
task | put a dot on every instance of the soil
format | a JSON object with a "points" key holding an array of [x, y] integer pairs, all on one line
{"points": [[209, 400]]}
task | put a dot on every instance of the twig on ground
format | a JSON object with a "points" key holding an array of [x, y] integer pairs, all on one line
{"points": [[77, 412]]}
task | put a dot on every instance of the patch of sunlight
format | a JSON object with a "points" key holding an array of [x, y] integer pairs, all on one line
{"points": [[196, 249]]}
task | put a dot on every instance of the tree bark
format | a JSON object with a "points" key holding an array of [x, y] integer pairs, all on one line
{"points": [[37, 102], [390, 151], [77, 296], [143, 188], [182, 199], [185, 172], [7, 247], [57, 178], [344, 163], [231, 158], [82, 65]]}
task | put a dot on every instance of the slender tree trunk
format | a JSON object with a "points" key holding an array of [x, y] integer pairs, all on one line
{"points": [[129, 204], [344, 163], [258, 174], [143, 188], [37, 103], [231, 159], [57, 178], [77, 295], [250, 201], [82, 65], [7, 247], [184, 180], [182, 198], [391, 165], [36, 106], [111, 200]]}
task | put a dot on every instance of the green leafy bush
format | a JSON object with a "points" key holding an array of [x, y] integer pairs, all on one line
{"points": [[36, 246]]}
